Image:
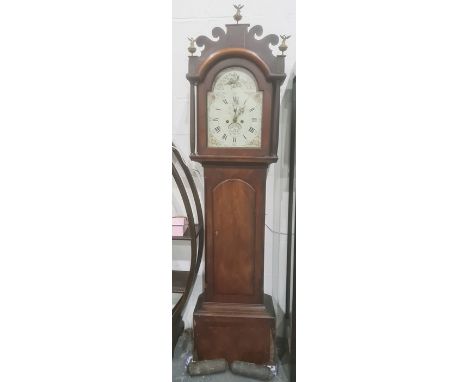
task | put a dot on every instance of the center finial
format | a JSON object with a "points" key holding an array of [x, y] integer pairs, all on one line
{"points": [[238, 16]]}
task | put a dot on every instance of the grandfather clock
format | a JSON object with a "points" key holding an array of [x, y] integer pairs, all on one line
{"points": [[234, 109]]}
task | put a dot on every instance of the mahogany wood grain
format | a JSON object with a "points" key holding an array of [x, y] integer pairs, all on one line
{"points": [[234, 237], [235, 231], [235, 332]]}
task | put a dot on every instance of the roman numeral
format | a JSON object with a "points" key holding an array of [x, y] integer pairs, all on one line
{"points": [[216, 119], [224, 136], [217, 129], [218, 109], [252, 109], [233, 139], [235, 99], [244, 136], [225, 101], [251, 129]]}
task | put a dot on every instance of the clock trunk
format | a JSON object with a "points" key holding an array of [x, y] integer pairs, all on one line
{"points": [[235, 231], [234, 319]]}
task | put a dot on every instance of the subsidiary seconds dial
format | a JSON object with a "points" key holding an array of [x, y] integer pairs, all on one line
{"points": [[234, 110]]}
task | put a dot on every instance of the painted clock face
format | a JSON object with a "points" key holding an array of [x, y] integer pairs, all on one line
{"points": [[234, 110]]}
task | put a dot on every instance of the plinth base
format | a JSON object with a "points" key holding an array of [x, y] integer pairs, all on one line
{"points": [[235, 332]]}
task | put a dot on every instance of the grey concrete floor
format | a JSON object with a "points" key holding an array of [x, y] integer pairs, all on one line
{"points": [[183, 354]]}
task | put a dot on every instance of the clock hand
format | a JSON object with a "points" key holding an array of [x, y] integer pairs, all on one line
{"points": [[234, 119], [241, 110], [238, 111]]}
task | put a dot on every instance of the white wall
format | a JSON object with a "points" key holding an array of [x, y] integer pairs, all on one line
{"points": [[191, 19]]}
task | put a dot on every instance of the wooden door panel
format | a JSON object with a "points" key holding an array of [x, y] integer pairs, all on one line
{"points": [[235, 227], [234, 237]]}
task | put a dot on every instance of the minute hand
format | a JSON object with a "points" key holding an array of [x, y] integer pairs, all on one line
{"points": [[234, 119], [241, 110]]}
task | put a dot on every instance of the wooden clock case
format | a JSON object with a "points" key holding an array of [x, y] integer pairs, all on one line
{"points": [[234, 319]]}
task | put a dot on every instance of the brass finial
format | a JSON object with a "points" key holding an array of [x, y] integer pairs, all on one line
{"points": [[283, 45], [192, 49], [238, 16]]}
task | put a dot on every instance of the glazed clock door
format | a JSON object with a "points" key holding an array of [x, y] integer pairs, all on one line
{"points": [[234, 108]]}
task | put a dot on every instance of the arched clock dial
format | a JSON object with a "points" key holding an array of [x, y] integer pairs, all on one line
{"points": [[234, 112]]}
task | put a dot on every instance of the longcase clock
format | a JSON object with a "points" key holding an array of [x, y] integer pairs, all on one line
{"points": [[234, 112]]}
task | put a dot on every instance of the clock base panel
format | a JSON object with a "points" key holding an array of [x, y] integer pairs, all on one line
{"points": [[235, 331]]}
